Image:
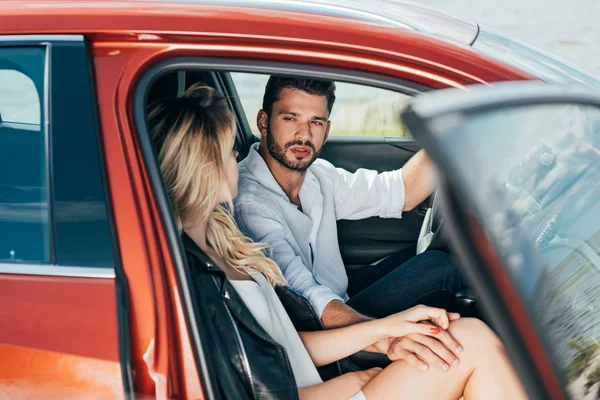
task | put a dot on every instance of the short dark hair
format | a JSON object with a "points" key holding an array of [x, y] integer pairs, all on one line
{"points": [[312, 86]]}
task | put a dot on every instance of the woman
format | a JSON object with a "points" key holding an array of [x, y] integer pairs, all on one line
{"points": [[194, 137]]}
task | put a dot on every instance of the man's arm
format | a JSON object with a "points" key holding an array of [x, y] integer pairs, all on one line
{"points": [[366, 193], [419, 180], [337, 314]]}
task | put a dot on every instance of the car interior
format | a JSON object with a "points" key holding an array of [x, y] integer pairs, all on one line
{"points": [[362, 242]]}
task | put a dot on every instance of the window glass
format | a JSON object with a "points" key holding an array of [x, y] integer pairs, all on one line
{"points": [[358, 110], [23, 164], [20, 101], [534, 174]]}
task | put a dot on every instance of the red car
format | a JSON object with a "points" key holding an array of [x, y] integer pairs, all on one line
{"points": [[95, 298]]}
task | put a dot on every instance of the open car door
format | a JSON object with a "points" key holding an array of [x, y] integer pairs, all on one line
{"points": [[519, 171]]}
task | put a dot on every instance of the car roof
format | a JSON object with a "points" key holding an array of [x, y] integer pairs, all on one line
{"points": [[393, 13]]}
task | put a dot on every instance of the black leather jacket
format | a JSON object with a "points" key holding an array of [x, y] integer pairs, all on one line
{"points": [[247, 362]]}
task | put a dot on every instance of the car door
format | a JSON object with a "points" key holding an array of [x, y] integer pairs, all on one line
{"points": [[365, 133], [63, 329], [520, 166]]}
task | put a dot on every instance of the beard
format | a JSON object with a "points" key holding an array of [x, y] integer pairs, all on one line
{"points": [[294, 165]]}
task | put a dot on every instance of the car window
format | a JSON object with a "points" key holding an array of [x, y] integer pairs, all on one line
{"points": [[20, 101], [533, 173], [358, 110], [23, 163]]}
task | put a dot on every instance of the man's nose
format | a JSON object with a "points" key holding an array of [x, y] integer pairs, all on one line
{"points": [[304, 132]]}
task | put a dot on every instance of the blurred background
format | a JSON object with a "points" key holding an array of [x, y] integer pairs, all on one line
{"points": [[567, 29]]}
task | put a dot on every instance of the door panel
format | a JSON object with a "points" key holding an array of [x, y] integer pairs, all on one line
{"points": [[523, 161], [363, 242], [58, 294], [38, 374], [59, 338]]}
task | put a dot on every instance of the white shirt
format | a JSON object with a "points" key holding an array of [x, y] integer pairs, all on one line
{"points": [[305, 243]]}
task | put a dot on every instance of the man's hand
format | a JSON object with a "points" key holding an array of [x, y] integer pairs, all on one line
{"points": [[422, 351]]}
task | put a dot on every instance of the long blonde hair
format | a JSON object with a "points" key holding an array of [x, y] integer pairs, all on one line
{"points": [[193, 136]]}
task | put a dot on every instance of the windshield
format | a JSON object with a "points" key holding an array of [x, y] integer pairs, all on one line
{"points": [[530, 59]]}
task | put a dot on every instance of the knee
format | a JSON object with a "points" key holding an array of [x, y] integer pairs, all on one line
{"points": [[473, 333], [443, 264]]}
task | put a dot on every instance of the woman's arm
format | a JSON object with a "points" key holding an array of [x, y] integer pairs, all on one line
{"points": [[341, 387], [325, 347]]}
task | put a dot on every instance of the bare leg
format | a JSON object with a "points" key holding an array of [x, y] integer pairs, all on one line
{"points": [[484, 372]]}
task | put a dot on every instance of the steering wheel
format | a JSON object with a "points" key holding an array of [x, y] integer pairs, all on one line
{"points": [[430, 234], [430, 238]]}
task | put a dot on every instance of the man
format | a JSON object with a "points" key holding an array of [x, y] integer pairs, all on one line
{"points": [[291, 200]]}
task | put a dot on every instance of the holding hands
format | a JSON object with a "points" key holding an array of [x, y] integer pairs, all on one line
{"points": [[420, 337]]}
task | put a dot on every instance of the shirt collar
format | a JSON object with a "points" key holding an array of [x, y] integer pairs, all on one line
{"points": [[260, 170]]}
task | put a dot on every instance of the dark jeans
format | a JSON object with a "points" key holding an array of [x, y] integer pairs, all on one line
{"points": [[404, 280]]}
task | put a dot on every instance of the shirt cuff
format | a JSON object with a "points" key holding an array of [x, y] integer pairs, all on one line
{"points": [[394, 204], [319, 297]]}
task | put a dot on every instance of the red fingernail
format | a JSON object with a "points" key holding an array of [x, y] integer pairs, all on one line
{"points": [[434, 330]]}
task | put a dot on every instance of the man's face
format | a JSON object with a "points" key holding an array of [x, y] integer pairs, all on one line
{"points": [[296, 129]]}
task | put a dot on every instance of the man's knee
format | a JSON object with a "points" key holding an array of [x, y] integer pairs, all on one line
{"points": [[443, 265], [438, 258]]}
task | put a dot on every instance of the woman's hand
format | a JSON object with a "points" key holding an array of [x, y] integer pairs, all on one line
{"points": [[363, 377], [419, 319]]}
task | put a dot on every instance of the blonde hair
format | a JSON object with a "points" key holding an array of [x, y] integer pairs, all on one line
{"points": [[193, 136]]}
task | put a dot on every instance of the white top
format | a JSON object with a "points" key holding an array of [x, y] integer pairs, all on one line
{"points": [[265, 306], [305, 243]]}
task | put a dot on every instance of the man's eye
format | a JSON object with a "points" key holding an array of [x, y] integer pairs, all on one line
{"points": [[318, 123], [288, 118]]}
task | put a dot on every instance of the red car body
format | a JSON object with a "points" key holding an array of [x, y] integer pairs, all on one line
{"points": [[59, 335]]}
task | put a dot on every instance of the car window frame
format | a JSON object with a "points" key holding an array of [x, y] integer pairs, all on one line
{"points": [[151, 74], [52, 267]]}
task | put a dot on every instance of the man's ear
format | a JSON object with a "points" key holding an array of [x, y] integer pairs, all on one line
{"points": [[327, 131], [262, 120]]}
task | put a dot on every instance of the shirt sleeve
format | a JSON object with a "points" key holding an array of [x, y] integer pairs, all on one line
{"points": [[367, 193], [262, 225]]}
